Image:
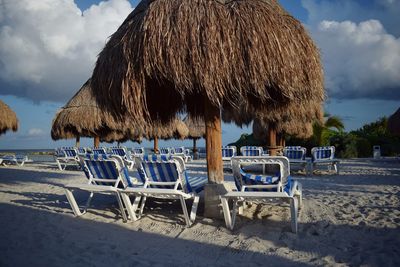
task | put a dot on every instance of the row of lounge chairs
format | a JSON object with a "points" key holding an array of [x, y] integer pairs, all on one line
{"points": [[19, 160]]}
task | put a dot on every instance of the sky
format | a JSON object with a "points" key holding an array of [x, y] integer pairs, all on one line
{"points": [[48, 49]]}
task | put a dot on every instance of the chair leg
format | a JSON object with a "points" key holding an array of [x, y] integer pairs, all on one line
{"points": [[88, 201], [193, 211], [185, 211], [72, 202], [227, 213], [129, 207], [141, 207], [121, 207], [293, 213]]}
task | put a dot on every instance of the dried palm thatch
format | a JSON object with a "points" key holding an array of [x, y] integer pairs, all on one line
{"points": [[303, 131], [196, 127], [81, 116], [394, 123], [176, 129], [8, 118], [187, 53]]}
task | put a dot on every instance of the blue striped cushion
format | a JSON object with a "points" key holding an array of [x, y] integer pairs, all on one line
{"points": [[138, 150], [195, 184], [155, 157], [251, 152], [81, 150], [70, 152], [160, 172], [228, 152], [100, 151], [322, 153], [118, 151], [256, 179], [179, 150], [164, 150]]}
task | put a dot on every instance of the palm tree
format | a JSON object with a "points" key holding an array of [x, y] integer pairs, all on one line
{"points": [[321, 132]]}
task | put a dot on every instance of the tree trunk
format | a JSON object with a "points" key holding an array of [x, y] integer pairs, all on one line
{"points": [[96, 141], [195, 155], [78, 141]]}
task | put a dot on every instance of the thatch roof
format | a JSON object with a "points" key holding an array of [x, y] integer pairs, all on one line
{"points": [[8, 118], [394, 123], [304, 130], [173, 55], [196, 126], [175, 129], [81, 116]]}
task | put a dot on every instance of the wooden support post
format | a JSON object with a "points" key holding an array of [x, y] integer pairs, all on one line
{"points": [[195, 155], [96, 142], [155, 145], [78, 141], [215, 186], [272, 140]]}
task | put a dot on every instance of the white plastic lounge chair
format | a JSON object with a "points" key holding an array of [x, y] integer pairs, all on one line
{"points": [[181, 151], [325, 156], [65, 156], [106, 175], [138, 152], [251, 151], [124, 154], [262, 188], [99, 151], [228, 152], [166, 151], [297, 156], [164, 179], [82, 151], [19, 160]]}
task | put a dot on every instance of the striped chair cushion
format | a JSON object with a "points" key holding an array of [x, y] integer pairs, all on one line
{"points": [[294, 154], [228, 152], [165, 151], [322, 153], [70, 152], [81, 150], [159, 172], [138, 150], [251, 152], [256, 179], [179, 150], [155, 157], [195, 184], [120, 151], [101, 167]]}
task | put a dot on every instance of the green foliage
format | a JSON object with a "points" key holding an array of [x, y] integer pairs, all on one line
{"points": [[247, 140]]}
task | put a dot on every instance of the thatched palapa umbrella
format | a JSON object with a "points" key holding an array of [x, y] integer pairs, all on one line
{"points": [[197, 129], [196, 56], [82, 117], [176, 129], [8, 118], [394, 123]]}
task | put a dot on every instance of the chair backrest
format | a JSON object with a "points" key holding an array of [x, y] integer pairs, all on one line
{"points": [[178, 150], [228, 151], [81, 150], [323, 153], [295, 152], [104, 170], [272, 161], [138, 151], [70, 152], [251, 151], [120, 151], [165, 151], [99, 151], [162, 168]]}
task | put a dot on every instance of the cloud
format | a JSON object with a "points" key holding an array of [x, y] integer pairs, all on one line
{"points": [[361, 60], [48, 47], [35, 132]]}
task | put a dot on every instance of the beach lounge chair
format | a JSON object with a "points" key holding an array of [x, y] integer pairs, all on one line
{"points": [[138, 152], [99, 151], [297, 156], [124, 154], [228, 152], [82, 151], [251, 151], [262, 187], [181, 151], [106, 175], [19, 160], [65, 156], [166, 151], [164, 178], [325, 156]]}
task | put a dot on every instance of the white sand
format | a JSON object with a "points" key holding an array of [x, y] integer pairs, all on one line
{"points": [[351, 219]]}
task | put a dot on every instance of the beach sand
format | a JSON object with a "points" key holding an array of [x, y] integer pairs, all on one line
{"points": [[351, 219]]}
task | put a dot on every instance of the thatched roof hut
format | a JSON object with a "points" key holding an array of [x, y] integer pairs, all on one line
{"points": [[196, 56], [8, 118], [186, 53], [196, 127], [82, 117], [394, 123], [175, 129]]}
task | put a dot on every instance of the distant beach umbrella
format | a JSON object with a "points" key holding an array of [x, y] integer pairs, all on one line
{"points": [[394, 123], [82, 117], [197, 129], [8, 118], [196, 56]]}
